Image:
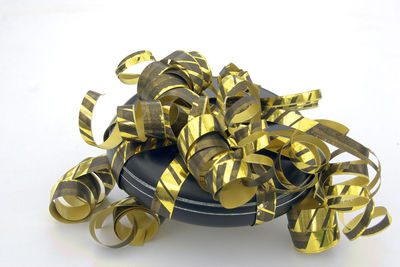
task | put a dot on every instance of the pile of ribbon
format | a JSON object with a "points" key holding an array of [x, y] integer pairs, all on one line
{"points": [[220, 132]]}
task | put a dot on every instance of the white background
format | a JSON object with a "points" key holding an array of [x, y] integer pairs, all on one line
{"points": [[52, 52]]}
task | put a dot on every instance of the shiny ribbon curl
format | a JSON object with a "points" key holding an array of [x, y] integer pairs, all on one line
{"points": [[81, 189], [219, 141], [143, 223]]}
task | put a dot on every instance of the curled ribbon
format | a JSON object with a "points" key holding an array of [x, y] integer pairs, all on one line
{"points": [[221, 132]]}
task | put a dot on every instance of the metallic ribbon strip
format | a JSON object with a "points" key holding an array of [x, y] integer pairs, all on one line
{"points": [[143, 223], [81, 189], [220, 141]]}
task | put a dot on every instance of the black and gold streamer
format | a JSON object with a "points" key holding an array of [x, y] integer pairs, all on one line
{"points": [[143, 223], [81, 189], [220, 141]]}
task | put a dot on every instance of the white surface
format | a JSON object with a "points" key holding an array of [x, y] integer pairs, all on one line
{"points": [[52, 52]]}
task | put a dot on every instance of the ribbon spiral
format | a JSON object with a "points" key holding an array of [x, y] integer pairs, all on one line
{"points": [[220, 132]]}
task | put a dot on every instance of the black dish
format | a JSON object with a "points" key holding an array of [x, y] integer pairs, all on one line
{"points": [[141, 173]]}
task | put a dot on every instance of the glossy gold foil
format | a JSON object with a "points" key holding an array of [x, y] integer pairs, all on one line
{"points": [[219, 139]]}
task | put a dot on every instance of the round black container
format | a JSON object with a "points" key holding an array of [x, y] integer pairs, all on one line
{"points": [[141, 173]]}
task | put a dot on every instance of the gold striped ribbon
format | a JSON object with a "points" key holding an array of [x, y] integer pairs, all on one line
{"points": [[142, 225], [81, 189], [221, 141]]}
